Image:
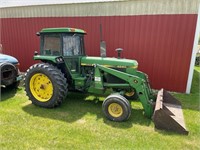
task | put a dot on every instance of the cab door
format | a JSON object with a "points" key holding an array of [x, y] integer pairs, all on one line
{"points": [[72, 52]]}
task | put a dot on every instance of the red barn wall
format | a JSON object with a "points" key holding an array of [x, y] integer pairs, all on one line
{"points": [[157, 42], [161, 43]]}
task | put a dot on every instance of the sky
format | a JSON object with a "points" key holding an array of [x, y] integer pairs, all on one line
{"points": [[12, 3]]}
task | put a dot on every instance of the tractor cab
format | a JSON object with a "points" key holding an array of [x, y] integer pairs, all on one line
{"points": [[65, 42]]}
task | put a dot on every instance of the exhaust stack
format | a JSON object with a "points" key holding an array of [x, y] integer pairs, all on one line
{"points": [[102, 44]]}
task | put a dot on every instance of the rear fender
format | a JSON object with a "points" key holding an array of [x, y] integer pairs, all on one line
{"points": [[52, 59], [56, 61]]}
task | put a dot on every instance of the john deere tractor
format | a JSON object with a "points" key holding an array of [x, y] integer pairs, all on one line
{"points": [[64, 67]]}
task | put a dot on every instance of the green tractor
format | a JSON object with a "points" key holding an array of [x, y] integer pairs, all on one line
{"points": [[65, 67]]}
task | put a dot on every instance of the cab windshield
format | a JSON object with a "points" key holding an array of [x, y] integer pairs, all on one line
{"points": [[62, 44], [71, 45], [51, 44]]}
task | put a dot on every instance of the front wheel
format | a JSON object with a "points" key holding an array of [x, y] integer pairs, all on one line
{"points": [[45, 85], [116, 108]]}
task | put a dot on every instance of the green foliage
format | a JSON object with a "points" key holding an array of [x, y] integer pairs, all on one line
{"points": [[80, 124], [199, 41], [197, 60]]}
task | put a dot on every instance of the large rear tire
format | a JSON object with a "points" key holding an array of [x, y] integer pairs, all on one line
{"points": [[116, 108], [45, 85]]}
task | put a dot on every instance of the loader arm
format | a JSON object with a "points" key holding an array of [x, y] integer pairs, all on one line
{"points": [[139, 84]]}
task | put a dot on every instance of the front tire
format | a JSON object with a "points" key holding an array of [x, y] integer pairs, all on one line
{"points": [[45, 85], [116, 108]]}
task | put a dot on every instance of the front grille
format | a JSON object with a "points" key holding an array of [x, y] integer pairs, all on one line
{"points": [[6, 74]]}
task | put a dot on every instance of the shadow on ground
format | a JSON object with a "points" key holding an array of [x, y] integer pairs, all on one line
{"points": [[6, 93], [74, 108]]}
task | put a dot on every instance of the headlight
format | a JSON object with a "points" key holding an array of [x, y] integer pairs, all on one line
{"points": [[59, 59]]}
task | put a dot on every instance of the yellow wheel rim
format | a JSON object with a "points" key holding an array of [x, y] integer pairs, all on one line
{"points": [[129, 94], [115, 110], [41, 87]]}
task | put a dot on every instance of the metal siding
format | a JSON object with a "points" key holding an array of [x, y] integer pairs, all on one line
{"points": [[162, 44], [47, 2], [113, 8], [0, 33]]}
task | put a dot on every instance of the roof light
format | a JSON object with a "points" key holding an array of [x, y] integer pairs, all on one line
{"points": [[72, 29]]}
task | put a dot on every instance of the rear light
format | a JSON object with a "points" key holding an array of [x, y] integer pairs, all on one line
{"points": [[17, 65]]}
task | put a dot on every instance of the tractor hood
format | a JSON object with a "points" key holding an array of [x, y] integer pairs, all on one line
{"points": [[7, 58], [109, 62]]}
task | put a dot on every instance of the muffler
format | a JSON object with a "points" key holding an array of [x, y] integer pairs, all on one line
{"points": [[168, 113]]}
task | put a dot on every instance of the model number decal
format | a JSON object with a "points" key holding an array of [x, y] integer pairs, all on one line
{"points": [[97, 79]]}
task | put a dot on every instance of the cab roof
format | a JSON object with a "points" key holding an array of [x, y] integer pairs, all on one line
{"points": [[62, 30]]}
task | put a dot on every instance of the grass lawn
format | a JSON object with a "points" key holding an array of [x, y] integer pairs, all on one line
{"points": [[80, 124]]}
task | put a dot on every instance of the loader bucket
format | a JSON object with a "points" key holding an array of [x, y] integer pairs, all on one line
{"points": [[168, 113]]}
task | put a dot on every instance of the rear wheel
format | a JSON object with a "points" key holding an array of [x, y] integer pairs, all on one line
{"points": [[45, 85], [116, 108], [131, 94]]}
